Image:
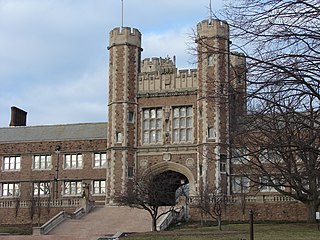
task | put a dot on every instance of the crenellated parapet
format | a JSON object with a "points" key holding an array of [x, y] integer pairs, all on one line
{"points": [[161, 75], [213, 28], [161, 65], [238, 59], [125, 35]]}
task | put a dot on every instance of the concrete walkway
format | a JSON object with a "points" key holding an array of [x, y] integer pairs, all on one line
{"points": [[106, 220]]}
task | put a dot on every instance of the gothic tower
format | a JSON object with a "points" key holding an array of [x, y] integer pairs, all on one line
{"points": [[124, 66], [213, 90]]}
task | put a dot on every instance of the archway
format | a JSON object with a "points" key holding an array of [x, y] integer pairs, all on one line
{"points": [[165, 186], [166, 178]]}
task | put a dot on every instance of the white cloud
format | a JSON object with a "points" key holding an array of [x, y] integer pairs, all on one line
{"points": [[53, 57]]}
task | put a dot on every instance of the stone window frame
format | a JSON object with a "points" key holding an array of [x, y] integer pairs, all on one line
{"points": [[223, 163], [211, 133], [130, 117], [6, 187], [182, 123], [210, 59], [264, 180], [240, 184], [130, 172], [11, 163], [152, 125], [99, 187], [43, 186], [75, 162], [43, 161], [99, 160], [118, 137], [72, 188]]}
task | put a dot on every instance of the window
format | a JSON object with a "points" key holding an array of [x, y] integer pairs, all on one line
{"points": [[270, 155], [267, 182], [99, 187], [118, 137], [73, 161], [211, 133], [200, 169], [182, 124], [210, 59], [42, 162], [41, 189], [100, 160], [10, 189], [240, 184], [109, 168], [72, 188], [152, 125], [223, 162], [130, 172], [11, 163], [239, 155], [130, 117]]}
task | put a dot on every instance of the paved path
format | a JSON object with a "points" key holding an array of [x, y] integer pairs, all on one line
{"points": [[101, 221]]}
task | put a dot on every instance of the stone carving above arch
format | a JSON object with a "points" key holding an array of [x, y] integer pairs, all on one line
{"points": [[144, 163], [189, 162]]}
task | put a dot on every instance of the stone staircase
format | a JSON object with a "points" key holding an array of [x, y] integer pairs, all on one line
{"points": [[106, 220], [101, 221]]}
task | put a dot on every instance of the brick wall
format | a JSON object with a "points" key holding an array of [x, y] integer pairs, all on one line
{"points": [[282, 211]]}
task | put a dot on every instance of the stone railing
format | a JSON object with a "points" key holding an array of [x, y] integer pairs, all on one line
{"points": [[177, 214], [56, 220], [41, 203], [51, 224], [193, 200], [165, 221]]}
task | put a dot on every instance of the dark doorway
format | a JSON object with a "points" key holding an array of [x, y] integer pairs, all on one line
{"points": [[164, 186]]}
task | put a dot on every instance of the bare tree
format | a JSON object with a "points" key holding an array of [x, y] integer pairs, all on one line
{"points": [[156, 195], [280, 134], [211, 203]]}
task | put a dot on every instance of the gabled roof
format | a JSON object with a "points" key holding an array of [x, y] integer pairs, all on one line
{"points": [[80, 131]]}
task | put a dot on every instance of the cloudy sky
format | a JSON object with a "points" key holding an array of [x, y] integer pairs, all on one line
{"points": [[54, 58]]}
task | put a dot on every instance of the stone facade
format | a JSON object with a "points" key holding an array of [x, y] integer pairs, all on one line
{"points": [[160, 119]]}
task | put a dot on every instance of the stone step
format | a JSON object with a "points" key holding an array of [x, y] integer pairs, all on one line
{"points": [[101, 221], [106, 220]]}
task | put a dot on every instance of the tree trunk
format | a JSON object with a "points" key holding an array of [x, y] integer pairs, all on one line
{"points": [[219, 222], [154, 224], [312, 208]]}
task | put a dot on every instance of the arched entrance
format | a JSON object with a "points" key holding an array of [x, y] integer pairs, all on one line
{"points": [[165, 186], [169, 179]]}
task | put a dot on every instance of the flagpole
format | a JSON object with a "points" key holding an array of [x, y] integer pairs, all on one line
{"points": [[210, 10], [121, 13]]}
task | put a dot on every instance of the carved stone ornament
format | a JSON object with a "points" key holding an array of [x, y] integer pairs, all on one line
{"points": [[190, 162], [166, 156], [144, 163]]}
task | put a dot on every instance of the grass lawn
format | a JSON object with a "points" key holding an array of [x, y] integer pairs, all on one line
{"points": [[21, 230], [273, 231]]}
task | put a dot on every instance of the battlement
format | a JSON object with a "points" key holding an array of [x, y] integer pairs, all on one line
{"points": [[213, 28], [162, 65], [125, 35], [186, 73], [125, 31], [238, 59]]}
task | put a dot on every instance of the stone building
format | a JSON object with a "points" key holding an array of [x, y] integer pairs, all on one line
{"points": [[161, 120]]}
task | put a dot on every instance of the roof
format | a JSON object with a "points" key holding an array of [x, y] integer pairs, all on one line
{"points": [[79, 131]]}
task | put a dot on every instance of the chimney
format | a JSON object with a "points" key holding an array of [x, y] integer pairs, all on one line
{"points": [[18, 117]]}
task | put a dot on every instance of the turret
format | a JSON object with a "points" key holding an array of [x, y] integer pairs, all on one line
{"points": [[213, 89], [124, 67]]}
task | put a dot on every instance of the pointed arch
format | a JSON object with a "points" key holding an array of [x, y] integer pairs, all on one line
{"points": [[176, 167]]}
